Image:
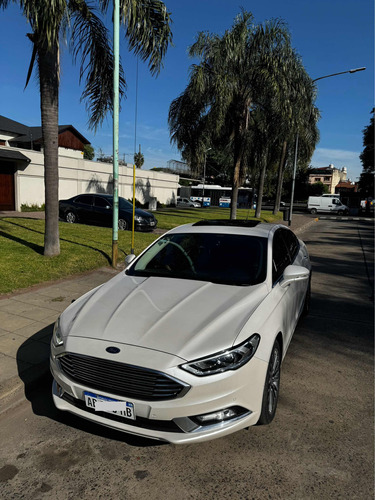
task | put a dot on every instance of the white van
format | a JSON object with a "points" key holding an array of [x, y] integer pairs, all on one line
{"points": [[326, 204]]}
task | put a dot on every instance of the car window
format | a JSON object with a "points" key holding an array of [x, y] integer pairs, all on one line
{"points": [[292, 243], [101, 202], [86, 199], [125, 204], [280, 255], [220, 258]]}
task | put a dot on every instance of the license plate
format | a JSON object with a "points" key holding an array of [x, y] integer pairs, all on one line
{"points": [[102, 403], [152, 223]]}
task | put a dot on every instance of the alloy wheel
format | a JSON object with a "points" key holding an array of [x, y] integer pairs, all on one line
{"points": [[70, 217], [273, 380], [122, 224]]}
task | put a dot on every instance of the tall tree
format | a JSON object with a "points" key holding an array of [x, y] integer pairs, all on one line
{"points": [[147, 29], [366, 181], [139, 159], [297, 114], [232, 76]]}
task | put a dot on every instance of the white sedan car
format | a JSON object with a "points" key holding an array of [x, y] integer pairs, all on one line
{"points": [[186, 344]]}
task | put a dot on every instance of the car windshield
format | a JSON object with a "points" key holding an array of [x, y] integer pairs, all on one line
{"points": [[228, 259], [124, 204]]}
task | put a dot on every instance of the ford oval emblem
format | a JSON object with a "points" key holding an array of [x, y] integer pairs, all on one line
{"points": [[113, 350]]}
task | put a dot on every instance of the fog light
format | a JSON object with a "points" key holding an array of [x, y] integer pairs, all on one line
{"points": [[217, 416], [220, 415]]}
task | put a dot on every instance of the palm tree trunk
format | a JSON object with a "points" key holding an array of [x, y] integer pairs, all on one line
{"points": [[48, 61], [280, 176], [260, 192], [235, 186]]}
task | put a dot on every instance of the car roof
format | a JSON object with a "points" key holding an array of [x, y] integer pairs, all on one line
{"points": [[228, 227]]}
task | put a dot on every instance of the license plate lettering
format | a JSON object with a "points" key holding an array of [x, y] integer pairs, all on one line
{"points": [[102, 403]]}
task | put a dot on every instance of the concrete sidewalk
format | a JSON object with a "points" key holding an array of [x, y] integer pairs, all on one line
{"points": [[27, 318]]}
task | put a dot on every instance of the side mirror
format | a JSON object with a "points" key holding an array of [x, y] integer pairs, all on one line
{"points": [[294, 273], [129, 258]]}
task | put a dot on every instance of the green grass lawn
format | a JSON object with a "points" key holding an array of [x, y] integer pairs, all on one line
{"points": [[82, 247]]}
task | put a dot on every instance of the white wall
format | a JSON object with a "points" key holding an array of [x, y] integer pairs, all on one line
{"points": [[82, 176]]}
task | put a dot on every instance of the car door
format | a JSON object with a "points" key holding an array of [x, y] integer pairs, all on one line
{"points": [[298, 257], [285, 297], [84, 206], [102, 211]]}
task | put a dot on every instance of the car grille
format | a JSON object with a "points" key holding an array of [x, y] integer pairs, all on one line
{"points": [[120, 378]]}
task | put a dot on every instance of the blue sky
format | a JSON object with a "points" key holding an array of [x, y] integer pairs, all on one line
{"points": [[330, 35]]}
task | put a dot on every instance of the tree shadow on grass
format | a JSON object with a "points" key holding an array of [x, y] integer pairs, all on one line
{"points": [[37, 248], [37, 382], [40, 249]]}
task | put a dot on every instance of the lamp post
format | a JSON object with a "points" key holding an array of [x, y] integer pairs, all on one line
{"points": [[296, 148], [204, 173]]}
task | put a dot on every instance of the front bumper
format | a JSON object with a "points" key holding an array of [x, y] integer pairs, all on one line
{"points": [[145, 226], [174, 420]]}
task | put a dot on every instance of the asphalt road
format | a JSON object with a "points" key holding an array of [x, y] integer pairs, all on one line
{"points": [[319, 446]]}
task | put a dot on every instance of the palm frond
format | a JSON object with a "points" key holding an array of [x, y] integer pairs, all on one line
{"points": [[90, 42], [148, 30]]}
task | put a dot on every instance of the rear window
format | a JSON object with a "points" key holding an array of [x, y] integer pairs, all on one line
{"points": [[219, 258]]}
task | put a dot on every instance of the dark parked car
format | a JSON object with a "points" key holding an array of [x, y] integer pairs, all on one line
{"points": [[97, 209]]}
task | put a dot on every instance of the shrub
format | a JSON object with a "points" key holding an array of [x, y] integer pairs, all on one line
{"points": [[32, 208]]}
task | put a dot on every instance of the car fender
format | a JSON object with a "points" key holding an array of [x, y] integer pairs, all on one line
{"points": [[267, 322]]}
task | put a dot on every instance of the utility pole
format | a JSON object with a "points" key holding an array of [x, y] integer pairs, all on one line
{"points": [[116, 74]]}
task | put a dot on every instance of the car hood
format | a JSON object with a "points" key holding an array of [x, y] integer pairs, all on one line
{"points": [[140, 212], [184, 318]]}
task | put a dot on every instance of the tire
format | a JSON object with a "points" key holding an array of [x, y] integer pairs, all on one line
{"points": [[70, 217], [313, 211], [122, 225], [271, 386]]}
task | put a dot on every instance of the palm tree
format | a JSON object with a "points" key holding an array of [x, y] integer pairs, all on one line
{"points": [[147, 29], [234, 72], [297, 115], [139, 159]]}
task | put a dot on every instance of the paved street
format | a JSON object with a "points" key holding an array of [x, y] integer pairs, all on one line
{"points": [[319, 446]]}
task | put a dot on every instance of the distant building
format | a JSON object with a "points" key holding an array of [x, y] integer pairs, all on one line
{"points": [[22, 169], [346, 187], [329, 176]]}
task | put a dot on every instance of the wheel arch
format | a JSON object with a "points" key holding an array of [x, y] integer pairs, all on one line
{"points": [[279, 338]]}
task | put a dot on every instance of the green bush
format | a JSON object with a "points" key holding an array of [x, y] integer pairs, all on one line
{"points": [[32, 208]]}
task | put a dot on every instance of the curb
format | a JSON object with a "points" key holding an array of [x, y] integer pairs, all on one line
{"points": [[13, 391]]}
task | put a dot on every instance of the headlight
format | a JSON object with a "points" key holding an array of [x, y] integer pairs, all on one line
{"points": [[231, 359], [57, 338], [138, 218]]}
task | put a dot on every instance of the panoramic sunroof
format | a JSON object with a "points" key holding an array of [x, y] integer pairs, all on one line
{"points": [[227, 222]]}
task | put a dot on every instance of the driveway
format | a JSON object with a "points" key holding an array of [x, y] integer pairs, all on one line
{"points": [[319, 446]]}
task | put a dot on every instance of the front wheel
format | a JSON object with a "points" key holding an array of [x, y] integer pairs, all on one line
{"points": [[271, 386], [122, 224], [313, 211], [70, 217]]}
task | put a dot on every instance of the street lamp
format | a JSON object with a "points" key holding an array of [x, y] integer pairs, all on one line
{"points": [[204, 173], [296, 149]]}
